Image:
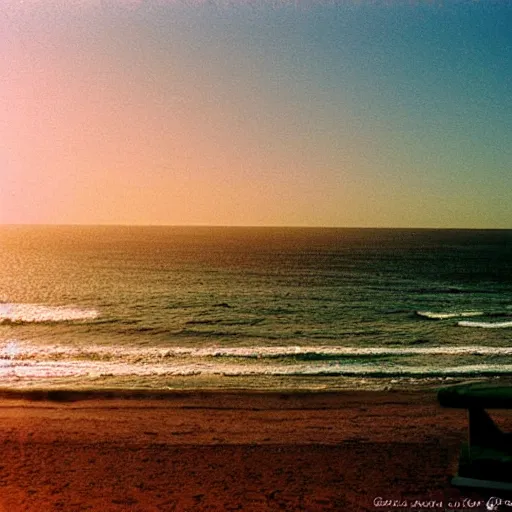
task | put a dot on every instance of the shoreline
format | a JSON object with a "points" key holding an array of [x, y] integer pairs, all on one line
{"points": [[230, 450], [142, 394], [68, 391]]}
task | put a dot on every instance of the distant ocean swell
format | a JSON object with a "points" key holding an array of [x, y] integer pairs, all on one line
{"points": [[452, 291], [431, 315], [19, 313]]}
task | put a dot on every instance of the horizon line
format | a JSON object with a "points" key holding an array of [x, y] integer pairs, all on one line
{"points": [[226, 226]]}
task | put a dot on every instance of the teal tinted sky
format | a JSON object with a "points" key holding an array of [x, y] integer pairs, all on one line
{"points": [[326, 113]]}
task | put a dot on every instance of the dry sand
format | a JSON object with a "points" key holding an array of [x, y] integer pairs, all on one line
{"points": [[222, 451]]}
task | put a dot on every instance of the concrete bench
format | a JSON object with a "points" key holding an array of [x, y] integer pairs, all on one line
{"points": [[486, 459]]}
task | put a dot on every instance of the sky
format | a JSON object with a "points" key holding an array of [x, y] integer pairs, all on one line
{"points": [[256, 113]]}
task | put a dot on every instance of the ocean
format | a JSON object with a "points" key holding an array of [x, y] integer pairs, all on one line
{"points": [[95, 307]]}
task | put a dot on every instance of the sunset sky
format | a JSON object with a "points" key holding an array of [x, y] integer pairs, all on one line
{"points": [[255, 112]]}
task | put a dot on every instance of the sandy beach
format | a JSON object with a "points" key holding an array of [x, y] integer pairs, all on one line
{"points": [[200, 451]]}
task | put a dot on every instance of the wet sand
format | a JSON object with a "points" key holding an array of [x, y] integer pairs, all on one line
{"points": [[221, 451]]}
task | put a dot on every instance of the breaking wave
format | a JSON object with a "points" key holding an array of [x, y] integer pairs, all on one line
{"points": [[25, 364], [442, 316], [486, 325], [20, 351], [96, 369], [37, 313]]}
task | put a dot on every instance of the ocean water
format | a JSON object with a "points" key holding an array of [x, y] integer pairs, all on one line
{"points": [[184, 307]]}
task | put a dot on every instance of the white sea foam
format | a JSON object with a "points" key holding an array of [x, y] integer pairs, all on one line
{"points": [[32, 313], [486, 325], [16, 350], [260, 352], [25, 363], [441, 316], [90, 369]]}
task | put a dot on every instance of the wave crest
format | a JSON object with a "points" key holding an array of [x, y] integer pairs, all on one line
{"points": [[486, 325], [25, 363], [95, 369], [38, 313], [16, 350], [442, 316]]}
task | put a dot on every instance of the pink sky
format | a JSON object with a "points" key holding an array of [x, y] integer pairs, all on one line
{"points": [[177, 113]]}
